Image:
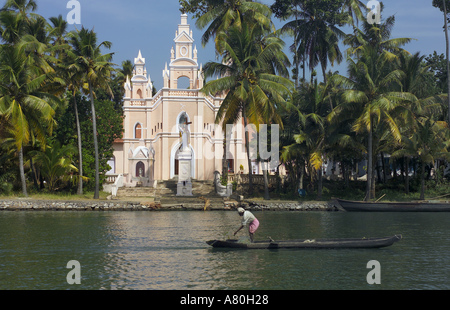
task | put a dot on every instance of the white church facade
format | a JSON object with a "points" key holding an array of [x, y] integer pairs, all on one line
{"points": [[149, 149]]}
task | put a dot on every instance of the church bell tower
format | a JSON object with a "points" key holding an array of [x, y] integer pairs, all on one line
{"points": [[183, 59]]}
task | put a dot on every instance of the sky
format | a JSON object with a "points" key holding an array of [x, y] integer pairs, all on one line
{"points": [[150, 25]]}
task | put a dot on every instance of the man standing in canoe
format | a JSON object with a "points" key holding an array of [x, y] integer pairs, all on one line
{"points": [[250, 220]]}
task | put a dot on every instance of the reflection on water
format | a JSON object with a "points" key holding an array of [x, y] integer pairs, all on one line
{"points": [[167, 250]]}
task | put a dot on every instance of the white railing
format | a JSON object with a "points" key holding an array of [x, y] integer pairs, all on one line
{"points": [[184, 93], [111, 178], [138, 103], [256, 178], [117, 184]]}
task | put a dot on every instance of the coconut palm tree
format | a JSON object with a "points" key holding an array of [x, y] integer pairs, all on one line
{"points": [[252, 74], [428, 143], [370, 94], [22, 6], [378, 36], [416, 81], [444, 6], [14, 19], [316, 28], [58, 30], [73, 78], [355, 9], [374, 86], [312, 133], [125, 72], [96, 68], [23, 102], [219, 18]]}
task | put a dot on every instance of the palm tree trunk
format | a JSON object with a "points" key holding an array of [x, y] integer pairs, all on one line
{"points": [[80, 154], [94, 129], [406, 175], [266, 181], [422, 182], [325, 83], [304, 66], [302, 173], [33, 171], [383, 164], [447, 54], [22, 172], [369, 165], [249, 161], [319, 185]]}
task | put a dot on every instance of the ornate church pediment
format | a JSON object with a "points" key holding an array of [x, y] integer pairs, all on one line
{"points": [[141, 152], [184, 38]]}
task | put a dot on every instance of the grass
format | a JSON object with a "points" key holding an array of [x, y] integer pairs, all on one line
{"points": [[393, 190], [55, 196]]}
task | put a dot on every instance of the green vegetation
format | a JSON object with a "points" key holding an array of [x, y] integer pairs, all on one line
{"points": [[45, 76], [389, 109]]}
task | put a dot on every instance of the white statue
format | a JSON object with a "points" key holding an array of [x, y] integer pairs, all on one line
{"points": [[185, 134]]}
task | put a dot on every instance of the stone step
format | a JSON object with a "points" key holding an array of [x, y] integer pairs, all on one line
{"points": [[169, 189]]}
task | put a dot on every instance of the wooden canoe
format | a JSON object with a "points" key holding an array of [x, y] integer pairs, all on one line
{"points": [[419, 206], [354, 243]]}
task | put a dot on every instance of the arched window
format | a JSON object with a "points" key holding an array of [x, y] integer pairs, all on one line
{"points": [[140, 169], [138, 131], [139, 94], [230, 162], [112, 164], [183, 83]]}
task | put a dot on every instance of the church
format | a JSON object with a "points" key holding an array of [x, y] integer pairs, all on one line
{"points": [[153, 124]]}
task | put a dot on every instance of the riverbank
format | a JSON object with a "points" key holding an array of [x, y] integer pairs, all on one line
{"points": [[175, 204]]}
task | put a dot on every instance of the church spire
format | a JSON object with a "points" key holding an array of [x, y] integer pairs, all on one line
{"points": [[139, 59]]}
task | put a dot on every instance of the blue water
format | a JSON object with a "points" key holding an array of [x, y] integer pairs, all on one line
{"points": [[167, 250]]}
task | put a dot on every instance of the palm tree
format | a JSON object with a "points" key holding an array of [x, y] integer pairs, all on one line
{"points": [[11, 27], [73, 79], [444, 6], [370, 95], [316, 27], [374, 87], [286, 9], [311, 107], [428, 143], [96, 68], [55, 163], [22, 101], [125, 72], [232, 13], [22, 6], [251, 75], [355, 10], [378, 36], [415, 81]]}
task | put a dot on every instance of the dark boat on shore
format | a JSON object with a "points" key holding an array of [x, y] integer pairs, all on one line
{"points": [[354, 243], [419, 206]]}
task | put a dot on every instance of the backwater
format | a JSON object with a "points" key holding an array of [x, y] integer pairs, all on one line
{"points": [[166, 250]]}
